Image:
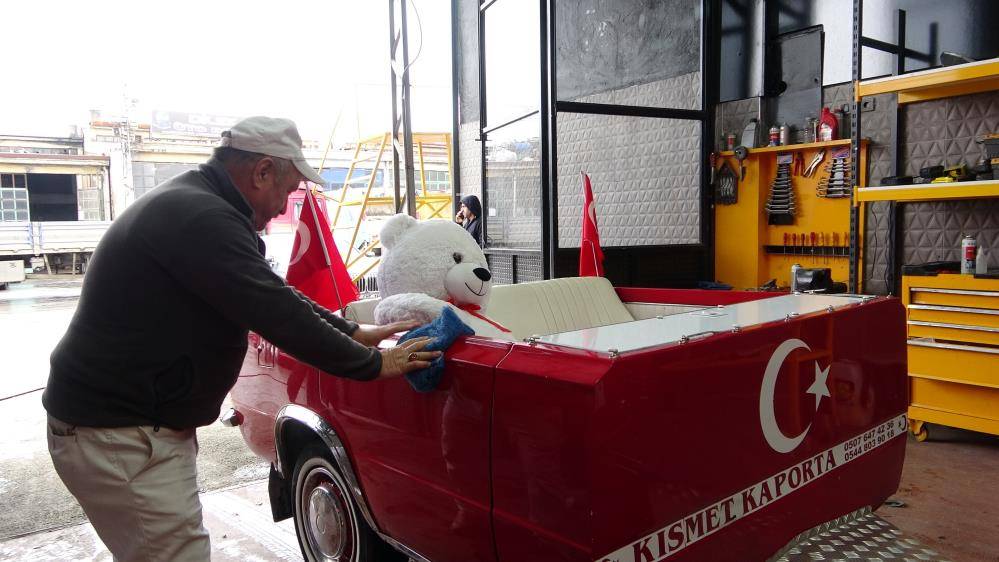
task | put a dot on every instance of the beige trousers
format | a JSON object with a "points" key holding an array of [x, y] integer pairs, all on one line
{"points": [[138, 487]]}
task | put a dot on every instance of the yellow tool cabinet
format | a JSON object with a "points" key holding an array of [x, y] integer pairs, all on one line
{"points": [[953, 345]]}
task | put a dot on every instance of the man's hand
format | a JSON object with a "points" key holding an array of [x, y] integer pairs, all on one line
{"points": [[406, 357], [460, 217], [372, 336]]}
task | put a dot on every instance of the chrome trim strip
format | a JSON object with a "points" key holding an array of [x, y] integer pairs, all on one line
{"points": [[698, 306], [942, 308], [413, 555], [955, 292], [314, 422], [953, 326], [930, 343]]}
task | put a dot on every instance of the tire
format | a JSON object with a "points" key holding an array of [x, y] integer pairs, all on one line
{"points": [[328, 523]]}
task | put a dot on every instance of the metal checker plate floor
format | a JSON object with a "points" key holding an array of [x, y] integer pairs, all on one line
{"points": [[866, 537]]}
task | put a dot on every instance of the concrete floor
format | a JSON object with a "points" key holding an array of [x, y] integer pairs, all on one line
{"points": [[950, 483], [238, 518]]}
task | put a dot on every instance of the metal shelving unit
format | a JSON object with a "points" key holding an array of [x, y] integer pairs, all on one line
{"points": [[934, 83], [929, 192]]}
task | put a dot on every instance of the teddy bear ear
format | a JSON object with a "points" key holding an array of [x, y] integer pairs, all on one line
{"points": [[394, 228]]}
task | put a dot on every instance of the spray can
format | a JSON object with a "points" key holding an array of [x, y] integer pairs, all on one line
{"points": [[794, 277], [785, 135], [969, 250], [774, 136]]}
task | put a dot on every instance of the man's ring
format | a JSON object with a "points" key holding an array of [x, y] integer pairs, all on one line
{"points": [[412, 356]]}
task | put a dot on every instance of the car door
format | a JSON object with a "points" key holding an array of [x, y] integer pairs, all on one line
{"points": [[423, 458]]}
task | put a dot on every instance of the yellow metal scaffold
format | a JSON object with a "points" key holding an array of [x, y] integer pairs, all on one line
{"points": [[429, 204]]}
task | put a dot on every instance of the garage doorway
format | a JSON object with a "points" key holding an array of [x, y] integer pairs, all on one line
{"points": [[52, 197]]}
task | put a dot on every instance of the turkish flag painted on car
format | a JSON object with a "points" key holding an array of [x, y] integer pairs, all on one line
{"points": [[316, 267], [591, 257]]}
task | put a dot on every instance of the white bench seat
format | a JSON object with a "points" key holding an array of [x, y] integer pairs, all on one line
{"points": [[541, 308]]}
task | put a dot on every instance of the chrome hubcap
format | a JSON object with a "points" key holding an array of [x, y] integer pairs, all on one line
{"points": [[327, 518]]}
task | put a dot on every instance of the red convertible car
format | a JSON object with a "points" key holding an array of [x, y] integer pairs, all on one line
{"points": [[624, 425]]}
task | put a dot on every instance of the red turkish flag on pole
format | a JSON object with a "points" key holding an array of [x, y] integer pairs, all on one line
{"points": [[316, 267], [591, 257]]}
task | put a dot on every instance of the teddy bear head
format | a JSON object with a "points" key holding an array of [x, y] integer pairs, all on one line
{"points": [[434, 257]]}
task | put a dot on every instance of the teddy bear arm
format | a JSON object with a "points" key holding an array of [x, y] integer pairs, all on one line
{"points": [[408, 306]]}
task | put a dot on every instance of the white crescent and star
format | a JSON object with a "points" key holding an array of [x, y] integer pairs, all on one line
{"points": [[768, 421], [304, 237]]}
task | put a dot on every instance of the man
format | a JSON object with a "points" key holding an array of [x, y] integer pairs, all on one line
{"points": [[160, 334], [468, 217]]}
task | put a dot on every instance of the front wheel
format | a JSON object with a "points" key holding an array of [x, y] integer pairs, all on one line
{"points": [[328, 523]]}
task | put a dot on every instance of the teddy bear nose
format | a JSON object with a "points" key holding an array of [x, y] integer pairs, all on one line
{"points": [[482, 273]]}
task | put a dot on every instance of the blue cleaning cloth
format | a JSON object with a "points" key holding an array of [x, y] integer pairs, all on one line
{"points": [[444, 330]]}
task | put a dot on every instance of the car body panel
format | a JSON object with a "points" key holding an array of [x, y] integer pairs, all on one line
{"points": [[529, 451]]}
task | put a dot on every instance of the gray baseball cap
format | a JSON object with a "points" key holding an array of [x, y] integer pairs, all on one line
{"points": [[272, 136]]}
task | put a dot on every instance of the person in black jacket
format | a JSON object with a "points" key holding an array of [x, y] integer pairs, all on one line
{"points": [[160, 334], [468, 217]]}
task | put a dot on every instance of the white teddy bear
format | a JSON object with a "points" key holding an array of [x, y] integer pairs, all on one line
{"points": [[429, 265]]}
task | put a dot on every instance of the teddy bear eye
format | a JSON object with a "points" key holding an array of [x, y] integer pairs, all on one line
{"points": [[457, 257]]}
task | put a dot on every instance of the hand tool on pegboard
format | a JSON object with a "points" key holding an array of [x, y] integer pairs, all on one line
{"points": [[780, 205], [799, 164], [838, 183], [814, 164]]}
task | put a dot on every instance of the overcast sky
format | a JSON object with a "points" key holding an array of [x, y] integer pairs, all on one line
{"points": [[301, 59]]}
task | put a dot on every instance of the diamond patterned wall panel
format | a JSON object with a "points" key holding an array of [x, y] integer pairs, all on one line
{"points": [[933, 230], [944, 132], [878, 126], [683, 92], [876, 248], [733, 116], [645, 174], [470, 160]]}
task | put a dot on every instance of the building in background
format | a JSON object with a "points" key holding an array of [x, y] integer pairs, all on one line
{"points": [[58, 195]]}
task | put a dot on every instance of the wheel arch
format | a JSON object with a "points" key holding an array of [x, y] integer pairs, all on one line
{"points": [[295, 428]]}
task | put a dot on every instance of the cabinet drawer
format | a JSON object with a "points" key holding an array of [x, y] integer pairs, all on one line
{"points": [[953, 332], [954, 297], [954, 315], [954, 363], [977, 401]]}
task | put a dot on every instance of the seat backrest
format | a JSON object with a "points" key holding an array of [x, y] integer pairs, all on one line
{"points": [[362, 311], [556, 305]]}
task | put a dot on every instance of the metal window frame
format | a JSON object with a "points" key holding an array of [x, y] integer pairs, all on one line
{"points": [[550, 107]]}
